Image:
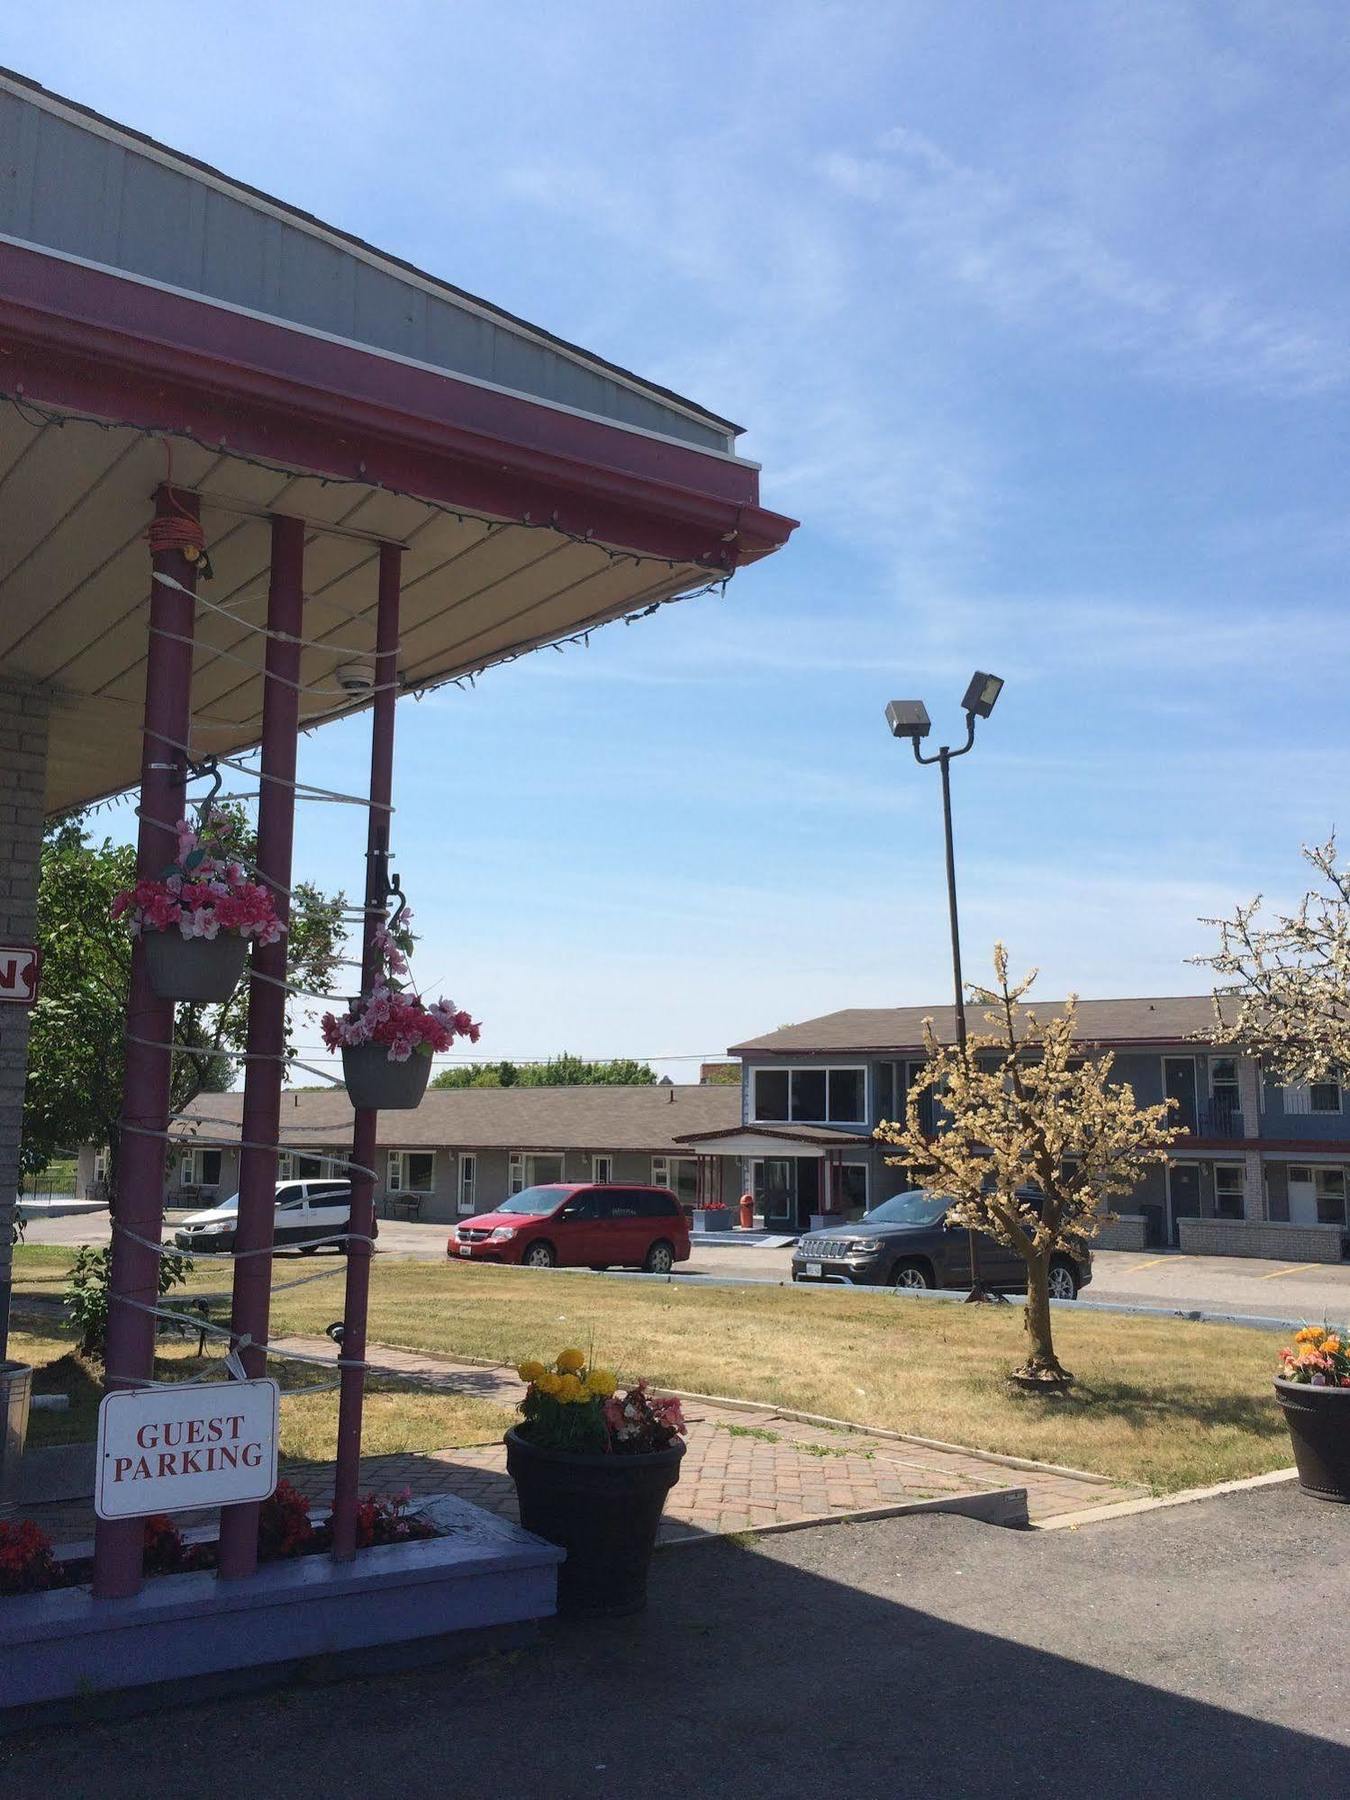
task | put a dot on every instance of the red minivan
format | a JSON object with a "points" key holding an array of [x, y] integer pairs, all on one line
{"points": [[586, 1225]]}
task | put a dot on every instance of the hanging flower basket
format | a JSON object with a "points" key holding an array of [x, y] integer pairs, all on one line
{"points": [[592, 1469], [198, 916], [200, 969], [388, 1036], [375, 1084]]}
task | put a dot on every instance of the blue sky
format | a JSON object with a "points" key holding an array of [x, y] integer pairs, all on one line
{"points": [[1038, 320]]}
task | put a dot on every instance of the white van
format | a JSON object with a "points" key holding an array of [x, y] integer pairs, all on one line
{"points": [[306, 1211]]}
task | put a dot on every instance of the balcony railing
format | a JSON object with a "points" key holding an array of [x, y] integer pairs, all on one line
{"points": [[1211, 1119]]}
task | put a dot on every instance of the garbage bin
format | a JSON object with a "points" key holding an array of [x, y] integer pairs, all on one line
{"points": [[16, 1388]]}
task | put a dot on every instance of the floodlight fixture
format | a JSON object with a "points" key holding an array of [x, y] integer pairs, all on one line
{"points": [[982, 693], [908, 719]]}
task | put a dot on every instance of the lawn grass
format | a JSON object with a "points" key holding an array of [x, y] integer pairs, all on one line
{"points": [[1162, 1402], [1166, 1403], [396, 1419]]}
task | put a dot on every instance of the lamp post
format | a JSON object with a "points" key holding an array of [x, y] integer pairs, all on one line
{"points": [[909, 719]]}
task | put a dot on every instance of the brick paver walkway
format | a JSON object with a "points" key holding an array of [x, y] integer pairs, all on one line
{"points": [[744, 1469]]}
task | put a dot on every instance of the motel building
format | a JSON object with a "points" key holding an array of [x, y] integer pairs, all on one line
{"points": [[465, 1150], [1261, 1168], [395, 484]]}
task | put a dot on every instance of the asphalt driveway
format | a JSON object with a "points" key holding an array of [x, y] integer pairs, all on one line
{"points": [[1188, 1652], [1186, 1283]]}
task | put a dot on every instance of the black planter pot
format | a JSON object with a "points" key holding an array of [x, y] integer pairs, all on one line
{"points": [[1319, 1426], [603, 1510], [200, 969], [377, 1085]]}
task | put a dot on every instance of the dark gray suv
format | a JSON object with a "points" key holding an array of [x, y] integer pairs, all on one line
{"points": [[906, 1242]]}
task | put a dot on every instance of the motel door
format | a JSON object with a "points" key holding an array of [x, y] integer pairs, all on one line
{"points": [[776, 1192], [1183, 1192]]}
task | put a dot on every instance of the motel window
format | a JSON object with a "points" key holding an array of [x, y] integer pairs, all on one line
{"points": [[811, 1096], [411, 1172], [1330, 1185], [533, 1171], [1223, 1083], [1312, 1097], [200, 1168], [468, 1182], [1228, 1202], [679, 1173]]}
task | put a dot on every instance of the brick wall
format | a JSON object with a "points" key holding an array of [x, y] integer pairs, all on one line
{"points": [[23, 768], [1280, 1243], [1128, 1231]]}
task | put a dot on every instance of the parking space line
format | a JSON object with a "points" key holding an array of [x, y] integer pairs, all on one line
{"points": [[1152, 1261], [1297, 1269]]}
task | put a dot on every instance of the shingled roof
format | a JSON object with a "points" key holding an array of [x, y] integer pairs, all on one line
{"points": [[650, 1119], [1170, 1019]]}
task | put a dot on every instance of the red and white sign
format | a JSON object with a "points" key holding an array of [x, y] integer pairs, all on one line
{"points": [[19, 966], [169, 1449]]}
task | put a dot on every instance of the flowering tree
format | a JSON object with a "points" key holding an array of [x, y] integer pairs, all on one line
{"points": [[1283, 992], [1035, 1137]]}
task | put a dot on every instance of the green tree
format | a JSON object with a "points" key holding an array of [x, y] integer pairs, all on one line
{"points": [[564, 1070], [77, 1039]]}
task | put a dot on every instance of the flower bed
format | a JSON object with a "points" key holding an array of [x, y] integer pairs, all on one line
{"points": [[30, 1565]]}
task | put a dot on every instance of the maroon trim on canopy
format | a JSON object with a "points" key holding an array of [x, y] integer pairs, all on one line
{"points": [[94, 341]]}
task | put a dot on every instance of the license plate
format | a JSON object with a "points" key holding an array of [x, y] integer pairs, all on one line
{"points": [[466, 1249], [813, 1269]]}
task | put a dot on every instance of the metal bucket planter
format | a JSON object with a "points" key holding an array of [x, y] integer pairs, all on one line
{"points": [[200, 969], [1319, 1428], [603, 1510], [374, 1084]]}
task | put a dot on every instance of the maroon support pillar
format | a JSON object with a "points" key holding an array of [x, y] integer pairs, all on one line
{"points": [[149, 1061], [266, 1000], [347, 1474]]}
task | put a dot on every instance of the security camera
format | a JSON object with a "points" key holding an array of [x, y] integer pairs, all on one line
{"points": [[356, 678]]}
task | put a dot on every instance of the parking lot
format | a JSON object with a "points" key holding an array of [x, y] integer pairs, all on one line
{"points": [[1246, 1286]]}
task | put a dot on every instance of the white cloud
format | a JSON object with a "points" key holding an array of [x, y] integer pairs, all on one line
{"points": [[1039, 266]]}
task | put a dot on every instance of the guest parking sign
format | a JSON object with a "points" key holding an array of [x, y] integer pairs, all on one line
{"points": [[170, 1449]]}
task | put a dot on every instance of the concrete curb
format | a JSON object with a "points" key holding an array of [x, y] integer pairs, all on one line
{"points": [[1000, 1506], [1125, 1509]]}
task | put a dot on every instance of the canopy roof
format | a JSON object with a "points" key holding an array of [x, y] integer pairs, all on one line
{"points": [[525, 517]]}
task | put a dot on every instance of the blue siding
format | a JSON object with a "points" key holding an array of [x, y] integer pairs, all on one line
{"points": [[1300, 1127]]}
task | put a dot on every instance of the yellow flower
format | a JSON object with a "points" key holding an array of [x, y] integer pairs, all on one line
{"points": [[530, 1371], [571, 1362], [549, 1384], [570, 1390], [1310, 1334], [601, 1382], [1332, 1345]]}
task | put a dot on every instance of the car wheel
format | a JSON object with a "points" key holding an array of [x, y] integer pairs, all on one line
{"points": [[539, 1256], [660, 1259], [910, 1276], [1062, 1281]]}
